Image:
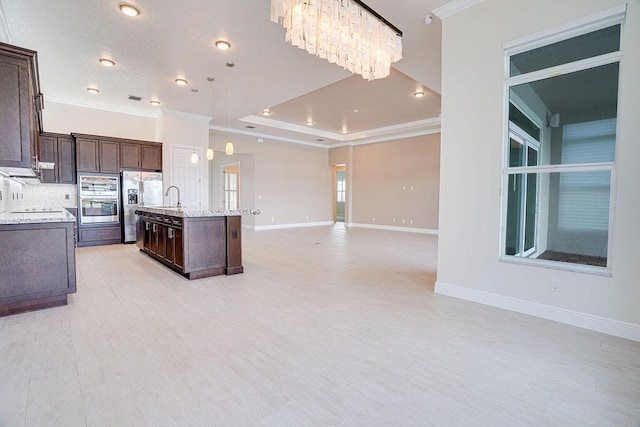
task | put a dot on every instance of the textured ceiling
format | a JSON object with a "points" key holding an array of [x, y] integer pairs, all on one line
{"points": [[169, 40]]}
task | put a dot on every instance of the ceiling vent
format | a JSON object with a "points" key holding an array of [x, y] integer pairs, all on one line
{"points": [[135, 98], [250, 127]]}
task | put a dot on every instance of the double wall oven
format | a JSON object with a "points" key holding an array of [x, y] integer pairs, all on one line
{"points": [[99, 199]]}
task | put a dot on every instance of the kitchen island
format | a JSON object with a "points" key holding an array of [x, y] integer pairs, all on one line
{"points": [[38, 264], [195, 243]]}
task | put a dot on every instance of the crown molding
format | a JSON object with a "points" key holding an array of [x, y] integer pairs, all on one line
{"points": [[418, 127], [291, 127], [267, 136], [5, 37], [177, 113], [453, 7], [97, 106]]}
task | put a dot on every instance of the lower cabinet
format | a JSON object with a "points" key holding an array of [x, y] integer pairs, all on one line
{"points": [[89, 235], [194, 247], [40, 267]]}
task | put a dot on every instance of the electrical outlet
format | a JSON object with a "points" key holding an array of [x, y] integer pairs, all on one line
{"points": [[555, 285], [393, 220], [373, 219], [307, 216]]}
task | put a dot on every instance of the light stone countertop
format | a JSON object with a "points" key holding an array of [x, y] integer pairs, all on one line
{"points": [[37, 217], [194, 212]]}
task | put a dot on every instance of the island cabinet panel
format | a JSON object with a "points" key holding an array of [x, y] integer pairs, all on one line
{"points": [[195, 247], [206, 243], [234, 245], [40, 267]]}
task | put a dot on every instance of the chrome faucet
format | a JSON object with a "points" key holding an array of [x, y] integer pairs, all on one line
{"points": [[179, 205]]}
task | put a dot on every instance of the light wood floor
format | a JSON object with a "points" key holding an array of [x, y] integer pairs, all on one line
{"points": [[326, 327]]}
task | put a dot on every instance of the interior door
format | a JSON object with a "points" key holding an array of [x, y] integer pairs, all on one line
{"points": [[340, 179], [186, 176], [231, 186]]}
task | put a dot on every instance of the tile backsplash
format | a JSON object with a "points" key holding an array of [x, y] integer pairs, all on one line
{"points": [[16, 196], [11, 194], [50, 196]]}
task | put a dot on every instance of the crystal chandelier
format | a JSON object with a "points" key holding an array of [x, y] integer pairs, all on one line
{"points": [[344, 32]]}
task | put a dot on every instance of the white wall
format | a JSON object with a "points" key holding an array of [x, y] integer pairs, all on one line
{"points": [[471, 162], [291, 182], [65, 118], [176, 129]]}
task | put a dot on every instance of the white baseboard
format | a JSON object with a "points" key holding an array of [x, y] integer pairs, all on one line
{"points": [[295, 225], [248, 227], [595, 323], [394, 228]]}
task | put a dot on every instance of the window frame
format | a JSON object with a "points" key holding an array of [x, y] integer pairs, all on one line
{"points": [[604, 19]]}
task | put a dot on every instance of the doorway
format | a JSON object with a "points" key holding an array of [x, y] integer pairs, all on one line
{"points": [[340, 193], [230, 179]]}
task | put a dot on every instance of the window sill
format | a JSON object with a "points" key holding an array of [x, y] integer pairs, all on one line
{"points": [[557, 265]]}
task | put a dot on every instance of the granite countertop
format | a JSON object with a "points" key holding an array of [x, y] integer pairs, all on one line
{"points": [[194, 212], [36, 217]]}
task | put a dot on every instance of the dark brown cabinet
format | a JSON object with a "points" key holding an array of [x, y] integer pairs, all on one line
{"points": [[195, 247], [95, 155], [99, 235], [59, 149], [87, 155], [151, 157], [40, 267], [20, 106], [111, 155], [129, 156]]}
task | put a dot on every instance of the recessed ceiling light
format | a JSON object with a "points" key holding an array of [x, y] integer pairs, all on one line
{"points": [[344, 131], [154, 102], [92, 90], [418, 94], [356, 110], [129, 9], [107, 62], [223, 45], [181, 82], [266, 112], [309, 122]]}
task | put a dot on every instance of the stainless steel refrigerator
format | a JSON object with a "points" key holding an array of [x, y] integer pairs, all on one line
{"points": [[138, 189]]}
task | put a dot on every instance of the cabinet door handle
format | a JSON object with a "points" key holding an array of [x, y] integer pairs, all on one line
{"points": [[155, 228], [170, 233], [146, 226]]}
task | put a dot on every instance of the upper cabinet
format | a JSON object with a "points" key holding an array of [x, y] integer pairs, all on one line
{"points": [[20, 106], [60, 150], [111, 155]]}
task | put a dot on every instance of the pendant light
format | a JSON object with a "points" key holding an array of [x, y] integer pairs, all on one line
{"points": [[228, 148], [210, 152], [194, 155]]}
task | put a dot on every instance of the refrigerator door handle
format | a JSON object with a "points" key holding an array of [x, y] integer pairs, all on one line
{"points": [[141, 192]]}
